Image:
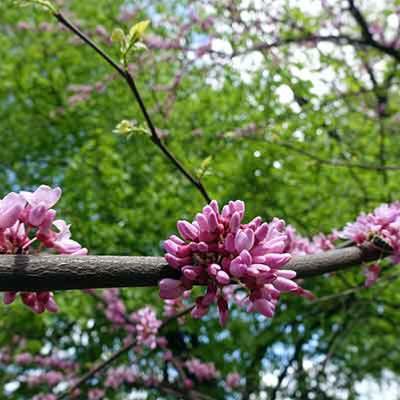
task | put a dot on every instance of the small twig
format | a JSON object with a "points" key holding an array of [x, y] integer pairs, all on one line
{"points": [[132, 85]]}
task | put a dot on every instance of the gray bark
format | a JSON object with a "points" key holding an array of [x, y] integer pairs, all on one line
{"points": [[36, 273]]}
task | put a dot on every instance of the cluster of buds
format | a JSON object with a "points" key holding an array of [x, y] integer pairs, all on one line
{"points": [[217, 250], [299, 245], [27, 223]]}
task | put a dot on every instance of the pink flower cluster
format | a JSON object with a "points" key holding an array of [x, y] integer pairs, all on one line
{"points": [[299, 246], [202, 371], [50, 378], [383, 222], [142, 324], [26, 219], [51, 361], [115, 307], [82, 93], [147, 326], [218, 250], [117, 376]]}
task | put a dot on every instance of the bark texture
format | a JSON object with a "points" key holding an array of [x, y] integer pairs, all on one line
{"points": [[36, 273]]}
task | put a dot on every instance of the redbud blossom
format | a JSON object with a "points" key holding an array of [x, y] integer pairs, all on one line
{"points": [[382, 227]]}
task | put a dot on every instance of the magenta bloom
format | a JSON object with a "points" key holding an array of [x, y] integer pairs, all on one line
{"points": [[217, 250], [10, 209], [372, 274]]}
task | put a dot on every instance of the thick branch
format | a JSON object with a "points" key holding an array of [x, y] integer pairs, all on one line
{"points": [[37, 273], [361, 21]]}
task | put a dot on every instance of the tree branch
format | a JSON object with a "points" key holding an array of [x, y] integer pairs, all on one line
{"points": [[336, 39], [39, 273], [336, 163]]}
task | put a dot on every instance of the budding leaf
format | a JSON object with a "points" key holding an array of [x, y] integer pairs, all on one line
{"points": [[128, 128], [124, 127], [118, 35], [130, 43], [204, 166]]}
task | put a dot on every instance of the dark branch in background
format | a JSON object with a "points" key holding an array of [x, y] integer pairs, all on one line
{"points": [[38, 273], [131, 83], [90, 374], [336, 39], [336, 163], [282, 375], [382, 101], [361, 21]]}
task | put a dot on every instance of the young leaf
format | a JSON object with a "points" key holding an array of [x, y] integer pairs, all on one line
{"points": [[137, 31], [118, 35]]}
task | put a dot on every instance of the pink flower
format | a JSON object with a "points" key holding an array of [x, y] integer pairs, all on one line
{"points": [[10, 209], [61, 240], [40, 202], [96, 394], [202, 371], [170, 288], [9, 297], [25, 220], [120, 375], [372, 274], [23, 358], [233, 380], [24, 26], [44, 195], [147, 326], [217, 250], [115, 310]]}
